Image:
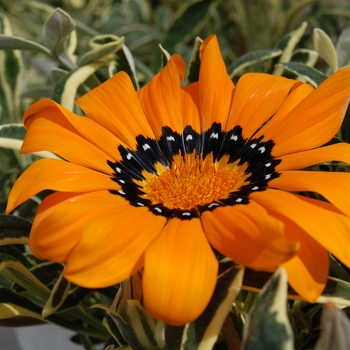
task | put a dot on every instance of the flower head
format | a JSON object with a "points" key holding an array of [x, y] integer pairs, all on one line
{"points": [[156, 177]]}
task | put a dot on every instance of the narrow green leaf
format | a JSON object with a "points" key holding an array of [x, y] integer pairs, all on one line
{"points": [[287, 45], [57, 29], [311, 75], [74, 298], [306, 56], [336, 291], [252, 58], [268, 326], [65, 91], [102, 50], [57, 296], [124, 62], [15, 270], [8, 42], [12, 131], [203, 332], [325, 48], [46, 272], [12, 304], [187, 20], [113, 329], [192, 74], [11, 75], [57, 74]]}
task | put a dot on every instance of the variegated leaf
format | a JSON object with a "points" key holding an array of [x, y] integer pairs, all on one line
{"points": [[165, 56], [113, 329], [311, 75], [252, 58], [57, 29], [268, 327], [14, 230], [342, 48], [109, 45], [325, 48], [192, 72], [11, 76], [8, 42], [57, 297], [287, 45], [203, 332]]}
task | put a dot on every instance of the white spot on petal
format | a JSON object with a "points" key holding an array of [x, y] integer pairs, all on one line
{"points": [[118, 170], [158, 210], [186, 214], [262, 149], [268, 176], [170, 138], [267, 165], [239, 200], [253, 145], [189, 137], [122, 181], [255, 188], [214, 135], [121, 192], [234, 137], [212, 205], [140, 204], [146, 146], [129, 156]]}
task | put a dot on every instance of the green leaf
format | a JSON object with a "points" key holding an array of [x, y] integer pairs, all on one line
{"points": [[252, 58], [325, 48], [287, 45], [57, 296], [311, 75], [192, 74], [46, 272], [14, 230], [74, 298], [12, 304], [57, 29], [66, 90], [8, 42], [187, 21], [336, 291], [113, 330], [102, 50], [15, 270], [12, 131], [124, 62], [306, 56], [268, 326], [11, 76], [203, 332]]}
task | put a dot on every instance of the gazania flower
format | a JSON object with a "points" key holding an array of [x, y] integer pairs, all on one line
{"points": [[156, 177]]}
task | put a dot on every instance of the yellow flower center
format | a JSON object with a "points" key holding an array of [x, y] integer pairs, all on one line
{"points": [[192, 181]]}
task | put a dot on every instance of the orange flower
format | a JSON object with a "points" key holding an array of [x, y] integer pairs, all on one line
{"points": [[153, 178]]}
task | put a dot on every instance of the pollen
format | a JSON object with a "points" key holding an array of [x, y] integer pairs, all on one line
{"points": [[192, 181]]}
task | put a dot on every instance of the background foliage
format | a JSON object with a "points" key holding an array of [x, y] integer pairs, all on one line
{"points": [[62, 54]]}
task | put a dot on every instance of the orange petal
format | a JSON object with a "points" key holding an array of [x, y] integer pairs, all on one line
{"points": [[115, 106], [316, 119], [57, 175], [257, 98], [308, 270], [180, 273], [215, 89], [50, 131], [90, 130], [61, 220], [338, 152], [329, 229], [112, 246], [190, 109], [297, 94], [335, 187], [248, 235], [161, 98]]}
